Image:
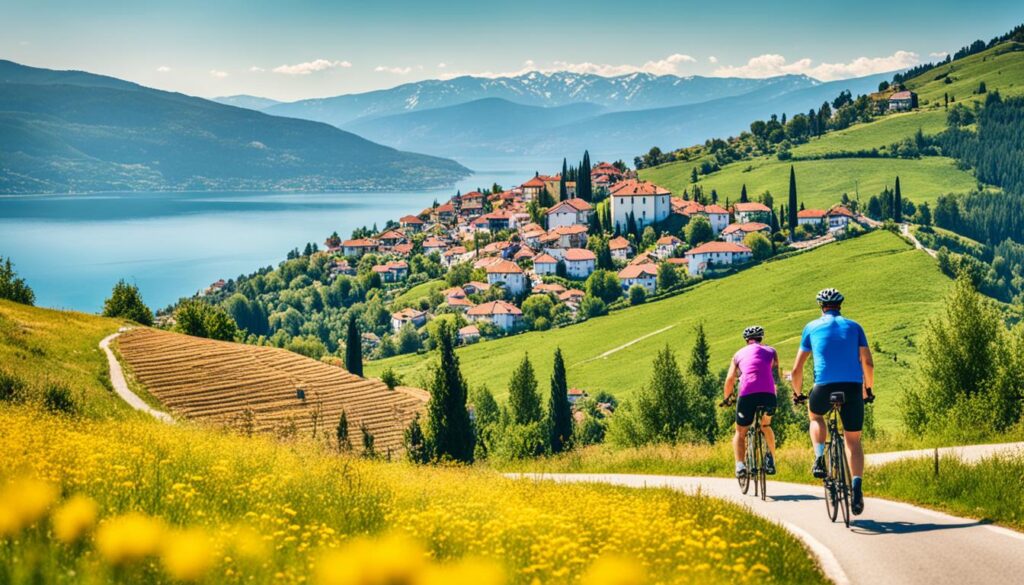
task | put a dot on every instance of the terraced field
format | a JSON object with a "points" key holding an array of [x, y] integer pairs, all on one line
{"points": [[230, 383]]}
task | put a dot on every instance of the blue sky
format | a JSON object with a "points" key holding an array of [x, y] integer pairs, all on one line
{"points": [[306, 48]]}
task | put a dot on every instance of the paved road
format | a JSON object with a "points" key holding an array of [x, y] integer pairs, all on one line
{"points": [[121, 385], [905, 230], [968, 454], [891, 542]]}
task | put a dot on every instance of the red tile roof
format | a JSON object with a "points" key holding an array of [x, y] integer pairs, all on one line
{"points": [[575, 203], [534, 182], [750, 206], [411, 219], [495, 308], [568, 230], [579, 255], [901, 95], [669, 240], [840, 210], [750, 226], [571, 294], [718, 247], [637, 188], [619, 243], [709, 209], [446, 208], [504, 267], [359, 243], [638, 271], [811, 213], [545, 259], [545, 287]]}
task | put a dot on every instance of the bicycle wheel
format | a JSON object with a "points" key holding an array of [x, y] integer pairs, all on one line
{"points": [[831, 494], [762, 475], [844, 484], [749, 461]]}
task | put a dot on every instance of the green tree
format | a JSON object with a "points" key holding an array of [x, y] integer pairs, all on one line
{"points": [[698, 231], [12, 287], [125, 302], [897, 209], [353, 347], [592, 306], [341, 433], [559, 409], [415, 443], [662, 405], [743, 194], [637, 294], [668, 276], [409, 339], [700, 355], [368, 440], [604, 285], [450, 430], [792, 200], [523, 398], [759, 245], [537, 308], [648, 239], [195, 317]]}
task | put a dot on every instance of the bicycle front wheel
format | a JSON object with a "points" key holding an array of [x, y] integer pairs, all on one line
{"points": [[831, 487], [749, 461], [844, 485], [762, 475]]}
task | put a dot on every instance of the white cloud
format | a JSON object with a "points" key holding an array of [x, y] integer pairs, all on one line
{"points": [[442, 65], [163, 69], [670, 65], [393, 70], [255, 69], [770, 65], [218, 74], [712, 59], [939, 54], [310, 67]]}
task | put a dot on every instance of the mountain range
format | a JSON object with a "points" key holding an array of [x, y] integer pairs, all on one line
{"points": [[72, 131], [562, 113]]}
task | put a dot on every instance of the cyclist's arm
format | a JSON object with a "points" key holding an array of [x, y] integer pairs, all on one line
{"points": [[868, 364], [730, 380], [798, 370]]}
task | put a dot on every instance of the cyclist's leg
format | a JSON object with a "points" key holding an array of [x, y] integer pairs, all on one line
{"points": [[739, 442], [769, 402], [817, 406], [744, 418], [852, 416], [854, 453]]}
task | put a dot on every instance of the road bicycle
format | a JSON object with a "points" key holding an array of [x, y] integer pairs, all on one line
{"points": [[756, 454]]}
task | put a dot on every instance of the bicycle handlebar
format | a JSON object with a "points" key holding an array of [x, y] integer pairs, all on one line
{"points": [[728, 402]]}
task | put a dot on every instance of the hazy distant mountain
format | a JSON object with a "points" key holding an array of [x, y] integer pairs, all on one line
{"points": [[626, 92], [74, 131], [252, 102], [490, 125]]}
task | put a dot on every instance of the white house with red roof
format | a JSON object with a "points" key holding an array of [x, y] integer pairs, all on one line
{"points": [[408, 315], [666, 246], [358, 247], [545, 264], [716, 254], [508, 274], [412, 223], [902, 101], [749, 211], [502, 314], [579, 262], [620, 248], [839, 218], [533, 188], [453, 256], [469, 334], [433, 245], [574, 211], [736, 232], [445, 213], [812, 217], [569, 236], [646, 275], [572, 297], [391, 238], [392, 271], [648, 203], [718, 217]]}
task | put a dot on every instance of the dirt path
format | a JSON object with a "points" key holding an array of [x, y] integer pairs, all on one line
{"points": [[117, 380]]}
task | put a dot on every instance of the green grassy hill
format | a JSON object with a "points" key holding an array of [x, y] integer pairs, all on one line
{"points": [[891, 289], [821, 183]]}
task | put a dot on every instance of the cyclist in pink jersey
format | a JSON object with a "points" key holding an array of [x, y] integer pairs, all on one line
{"points": [[755, 366]]}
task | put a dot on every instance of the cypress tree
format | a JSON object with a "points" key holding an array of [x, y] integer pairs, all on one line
{"points": [[563, 193], [743, 194], [775, 222], [583, 180], [451, 432], [523, 398], [559, 410], [353, 348], [897, 206], [700, 357], [341, 433], [792, 201]]}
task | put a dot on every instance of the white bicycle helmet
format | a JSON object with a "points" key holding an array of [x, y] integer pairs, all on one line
{"points": [[830, 296], [753, 332]]}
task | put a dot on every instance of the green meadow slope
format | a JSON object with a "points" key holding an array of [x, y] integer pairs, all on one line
{"points": [[891, 289], [821, 183]]}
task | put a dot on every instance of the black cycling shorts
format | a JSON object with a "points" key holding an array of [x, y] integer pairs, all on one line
{"points": [[746, 405], [852, 412]]}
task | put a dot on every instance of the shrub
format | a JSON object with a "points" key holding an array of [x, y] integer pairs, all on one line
{"points": [[57, 398], [637, 294], [12, 388], [390, 378], [13, 288], [520, 441], [200, 319], [125, 302]]}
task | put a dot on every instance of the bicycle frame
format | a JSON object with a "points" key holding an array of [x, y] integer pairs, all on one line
{"points": [[837, 476], [757, 448]]}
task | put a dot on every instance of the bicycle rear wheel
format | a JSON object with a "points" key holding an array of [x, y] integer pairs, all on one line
{"points": [[762, 475], [749, 461], [844, 484], [831, 491]]}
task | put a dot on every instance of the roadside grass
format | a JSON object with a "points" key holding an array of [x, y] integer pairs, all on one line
{"points": [[45, 346], [891, 290], [821, 183], [224, 508]]}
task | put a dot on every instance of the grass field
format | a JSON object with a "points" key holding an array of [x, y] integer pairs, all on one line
{"points": [[891, 289], [418, 292], [1001, 68], [821, 183], [143, 502], [44, 346], [878, 134]]}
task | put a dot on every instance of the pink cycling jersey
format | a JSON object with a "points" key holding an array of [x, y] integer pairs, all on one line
{"points": [[754, 363]]}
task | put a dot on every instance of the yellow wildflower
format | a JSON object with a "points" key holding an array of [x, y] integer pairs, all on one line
{"points": [[129, 538], [614, 571], [466, 572], [391, 560], [24, 502], [74, 518], [187, 555]]}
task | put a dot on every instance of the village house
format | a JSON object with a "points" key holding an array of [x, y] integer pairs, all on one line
{"points": [[524, 253], [533, 188], [411, 223], [646, 275], [389, 239], [570, 236], [645, 201], [572, 297], [620, 248], [434, 245], [473, 287], [408, 315], [579, 262], [717, 216], [453, 256], [445, 213], [503, 315], [403, 250], [469, 334], [545, 264], [532, 237], [358, 247], [499, 220], [457, 299], [471, 209], [716, 254], [812, 217], [392, 271], [736, 232], [902, 101], [574, 395], [507, 274], [552, 288], [752, 211], [573, 211], [666, 246], [341, 266], [839, 218], [213, 288]]}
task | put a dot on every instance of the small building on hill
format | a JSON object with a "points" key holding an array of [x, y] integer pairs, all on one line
{"points": [[716, 254], [644, 201], [903, 101]]}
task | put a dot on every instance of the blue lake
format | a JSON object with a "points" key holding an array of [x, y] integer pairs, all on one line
{"points": [[71, 249]]}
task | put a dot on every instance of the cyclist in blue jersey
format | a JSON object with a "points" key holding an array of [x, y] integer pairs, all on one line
{"points": [[842, 363]]}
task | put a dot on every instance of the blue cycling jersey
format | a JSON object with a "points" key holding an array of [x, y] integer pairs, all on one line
{"points": [[835, 343]]}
